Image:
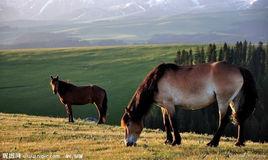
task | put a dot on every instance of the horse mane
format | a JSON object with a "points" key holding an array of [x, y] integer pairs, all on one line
{"points": [[143, 98], [64, 87]]}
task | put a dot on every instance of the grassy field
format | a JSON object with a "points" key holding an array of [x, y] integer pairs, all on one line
{"points": [[33, 135], [25, 76]]}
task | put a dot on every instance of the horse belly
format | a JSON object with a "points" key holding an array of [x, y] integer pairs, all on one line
{"points": [[172, 95], [81, 97], [193, 102], [81, 100]]}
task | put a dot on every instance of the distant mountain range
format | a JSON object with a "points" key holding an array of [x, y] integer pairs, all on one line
{"points": [[63, 23], [91, 10]]}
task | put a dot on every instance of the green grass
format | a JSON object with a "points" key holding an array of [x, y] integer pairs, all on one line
{"points": [[54, 136], [25, 76]]}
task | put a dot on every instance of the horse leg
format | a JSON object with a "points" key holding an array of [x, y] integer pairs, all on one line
{"points": [[223, 121], [101, 105], [240, 138], [240, 118], [167, 126], [240, 121], [69, 112], [174, 124], [100, 113], [98, 106]]}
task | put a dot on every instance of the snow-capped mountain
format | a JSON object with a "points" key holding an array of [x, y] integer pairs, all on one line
{"points": [[91, 10], [68, 23]]}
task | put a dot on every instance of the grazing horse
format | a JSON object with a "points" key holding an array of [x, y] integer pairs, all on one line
{"points": [[192, 87], [70, 94]]}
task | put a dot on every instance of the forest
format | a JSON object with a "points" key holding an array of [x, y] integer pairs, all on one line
{"points": [[245, 54]]}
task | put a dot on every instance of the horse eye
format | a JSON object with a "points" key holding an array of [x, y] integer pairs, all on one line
{"points": [[127, 124]]}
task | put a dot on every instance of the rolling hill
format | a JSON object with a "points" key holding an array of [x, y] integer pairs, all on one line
{"points": [[25, 76]]}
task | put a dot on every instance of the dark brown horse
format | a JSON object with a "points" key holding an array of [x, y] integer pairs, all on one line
{"points": [[70, 94], [192, 87]]}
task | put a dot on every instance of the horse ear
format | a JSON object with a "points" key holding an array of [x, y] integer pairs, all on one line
{"points": [[51, 77], [127, 111], [57, 77]]}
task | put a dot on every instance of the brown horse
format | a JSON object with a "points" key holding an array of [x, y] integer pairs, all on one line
{"points": [[192, 87], [70, 94]]}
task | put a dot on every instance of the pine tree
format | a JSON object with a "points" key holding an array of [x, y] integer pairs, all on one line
{"points": [[249, 54], [228, 54], [262, 60], [258, 62], [225, 47], [214, 53], [190, 57], [221, 55], [187, 58], [244, 52], [240, 53], [235, 53], [266, 59], [253, 64], [178, 57], [225, 52], [184, 57], [197, 56], [209, 53], [202, 55], [231, 56]]}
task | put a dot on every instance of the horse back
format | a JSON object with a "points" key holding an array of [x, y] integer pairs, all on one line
{"points": [[194, 87], [90, 94], [227, 78]]}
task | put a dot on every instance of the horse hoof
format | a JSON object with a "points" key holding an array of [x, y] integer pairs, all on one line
{"points": [[174, 143], [99, 122], [167, 141], [239, 144], [212, 144]]}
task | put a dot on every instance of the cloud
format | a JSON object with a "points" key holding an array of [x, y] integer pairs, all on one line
{"points": [[196, 2], [156, 2]]}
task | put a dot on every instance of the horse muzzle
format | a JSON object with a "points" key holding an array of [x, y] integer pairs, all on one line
{"points": [[131, 141], [129, 144]]}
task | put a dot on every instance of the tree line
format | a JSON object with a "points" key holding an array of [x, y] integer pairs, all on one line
{"points": [[246, 54], [243, 54]]}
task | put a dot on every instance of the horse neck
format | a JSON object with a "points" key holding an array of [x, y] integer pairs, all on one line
{"points": [[144, 96], [64, 87], [139, 106]]}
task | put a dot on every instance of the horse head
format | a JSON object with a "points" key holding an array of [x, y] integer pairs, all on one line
{"points": [[132, 126], [54, 83]]}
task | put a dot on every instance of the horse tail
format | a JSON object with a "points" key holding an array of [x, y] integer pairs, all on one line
{"points": [[250, 96], [144, 96], [104, 107]]}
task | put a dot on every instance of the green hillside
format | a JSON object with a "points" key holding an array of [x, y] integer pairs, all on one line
{"points": [[25, 76], [46, 136]]}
